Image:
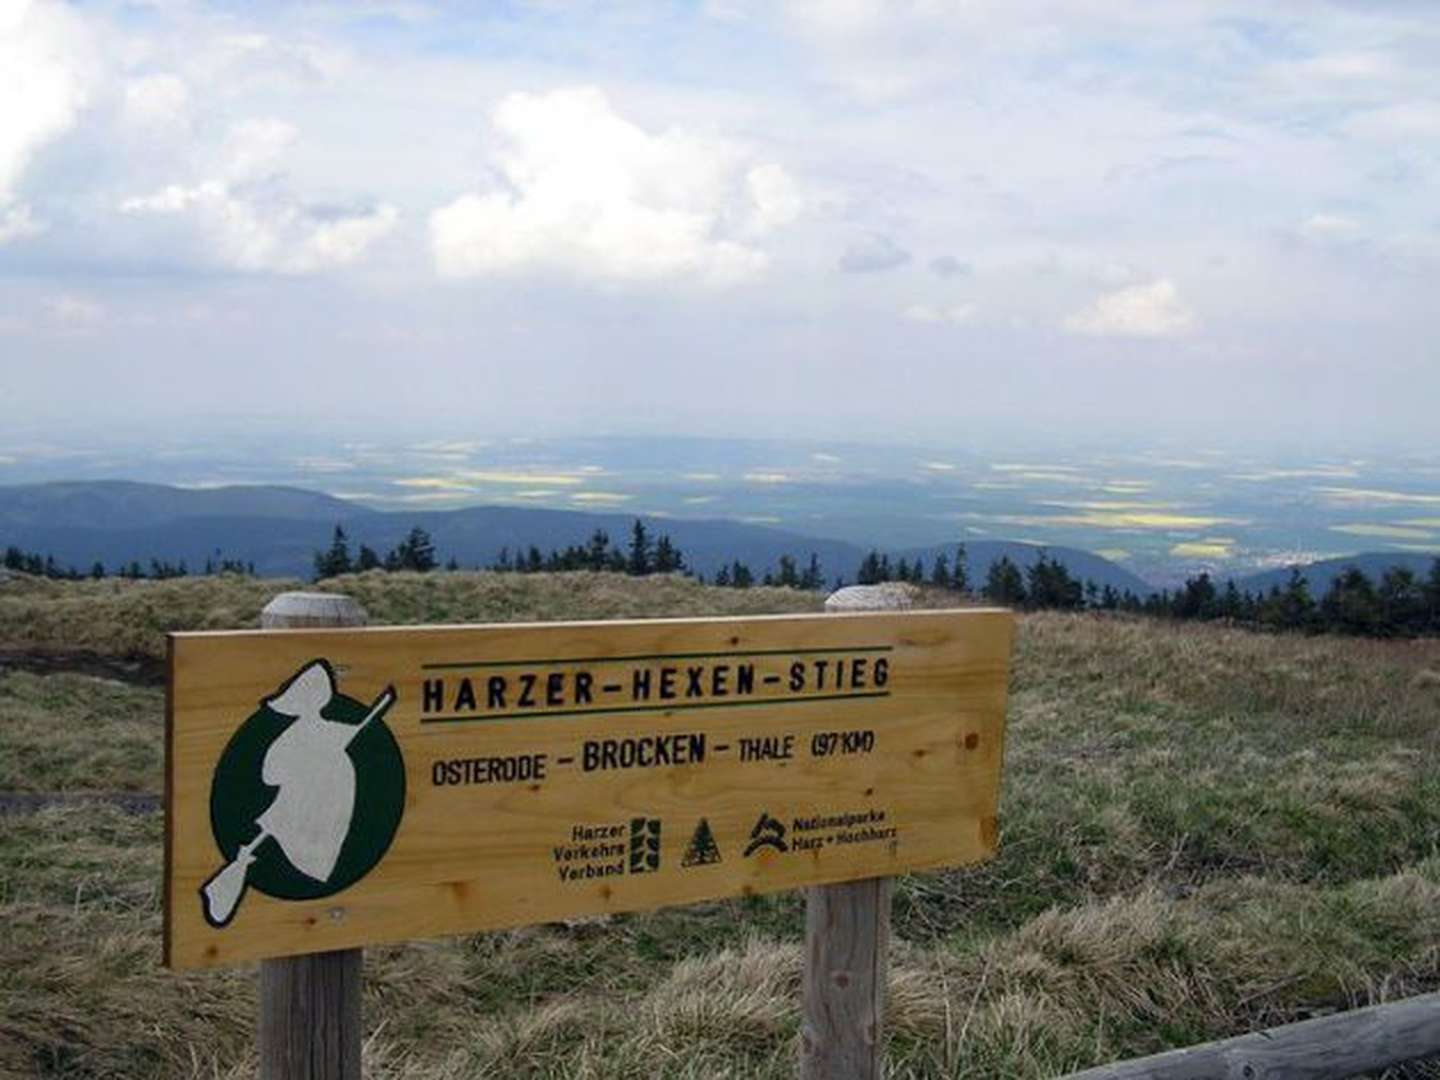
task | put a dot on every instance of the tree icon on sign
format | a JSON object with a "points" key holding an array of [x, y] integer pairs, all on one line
{"points": [[703, 851]]}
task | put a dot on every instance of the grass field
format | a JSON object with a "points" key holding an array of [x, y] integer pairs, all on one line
{"points": [[1203, 831]]}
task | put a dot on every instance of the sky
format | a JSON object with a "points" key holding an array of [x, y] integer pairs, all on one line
{"points": [[907, 219]]}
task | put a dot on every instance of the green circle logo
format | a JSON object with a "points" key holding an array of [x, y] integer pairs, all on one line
{"points": [[307, 795]]}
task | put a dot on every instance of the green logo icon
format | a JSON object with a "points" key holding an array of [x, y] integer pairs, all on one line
{"points": [[307, 795]]}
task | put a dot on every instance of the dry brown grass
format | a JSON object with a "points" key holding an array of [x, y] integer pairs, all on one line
{"points": [[132, 617], [1203, 831]]}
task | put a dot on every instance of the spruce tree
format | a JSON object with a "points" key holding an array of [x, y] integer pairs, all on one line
{"points": [[1004, 583], [668, 559], [869, 572], [639, 562], [1432, 598], [598, 550], [812, 578], [336, 560], [788, 577], [940, 573]]}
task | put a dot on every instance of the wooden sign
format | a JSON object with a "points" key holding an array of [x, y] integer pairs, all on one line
{"points": [[334, 788]]}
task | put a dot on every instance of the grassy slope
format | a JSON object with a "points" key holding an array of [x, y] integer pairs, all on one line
{"points": [[1203, 830]]}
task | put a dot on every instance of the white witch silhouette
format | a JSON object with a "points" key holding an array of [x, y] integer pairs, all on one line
{"points": [[311, 812]]}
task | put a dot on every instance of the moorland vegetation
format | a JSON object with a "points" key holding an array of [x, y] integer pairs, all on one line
{"points": [[1203, 830]]}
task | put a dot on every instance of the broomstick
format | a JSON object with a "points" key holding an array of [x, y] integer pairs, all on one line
{"points": [[220, 896]]}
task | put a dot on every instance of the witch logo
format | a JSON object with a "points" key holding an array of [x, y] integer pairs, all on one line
{"points": [[306, 797]]}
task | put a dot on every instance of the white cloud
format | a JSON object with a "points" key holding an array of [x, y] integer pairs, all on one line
{"points": [[1146, 310], [1398, 123], [954, 314], [158, 102], [1329, 228], [17, 221], [587, 192], [254, 148], [250, 222], [43, 87], [777, 198]]}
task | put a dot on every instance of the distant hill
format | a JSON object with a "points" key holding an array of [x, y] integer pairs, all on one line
{"points": [[1085, 565], [123, 504], [280, 528], [1319, 574]]}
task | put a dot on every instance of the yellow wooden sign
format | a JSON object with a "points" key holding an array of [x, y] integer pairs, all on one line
{"points": [[333, 788]]}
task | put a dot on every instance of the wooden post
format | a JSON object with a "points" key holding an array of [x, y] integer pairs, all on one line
{"points": [[309, 1026], [847, 937]]}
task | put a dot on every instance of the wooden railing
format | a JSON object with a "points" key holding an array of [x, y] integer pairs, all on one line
{"points": [[1327, 1048]]}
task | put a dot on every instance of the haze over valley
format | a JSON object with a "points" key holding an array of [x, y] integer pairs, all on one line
{"points": [[1160, 514]]}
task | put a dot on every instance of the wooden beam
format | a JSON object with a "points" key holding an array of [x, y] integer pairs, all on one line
{"points": [[310, 1018], [847, 938], [1327, 1048]]}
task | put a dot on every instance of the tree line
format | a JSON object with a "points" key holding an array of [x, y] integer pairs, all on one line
{"points": [[1400, 604], [46, 566]]}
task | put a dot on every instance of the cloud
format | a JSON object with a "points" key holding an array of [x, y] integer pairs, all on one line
{"points": [[954, 314], [75, 312], [948, 266], [249, 220], [255, 148], [1151, 310], [157, 102], [872, 254], [43, 87], [588, 193], [1329, 228], [1397, 123]]}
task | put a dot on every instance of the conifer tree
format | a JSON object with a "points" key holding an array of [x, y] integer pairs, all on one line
{"points": [[940, 573], [788, 577], [598, 550], [336, 560], [1004, 583], [960, 576], [639, 562], [668, 558], [869, 572], [812, 578]]}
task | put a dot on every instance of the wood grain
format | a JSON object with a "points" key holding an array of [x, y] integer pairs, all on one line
{"points": [[479, 855], [847, 937], [310, 1022], [310, 1019], [1326, 1048], [847, 944]]}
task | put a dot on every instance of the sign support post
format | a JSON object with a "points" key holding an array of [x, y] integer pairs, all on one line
{"points": [[310, 1022], [847, 938]]}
